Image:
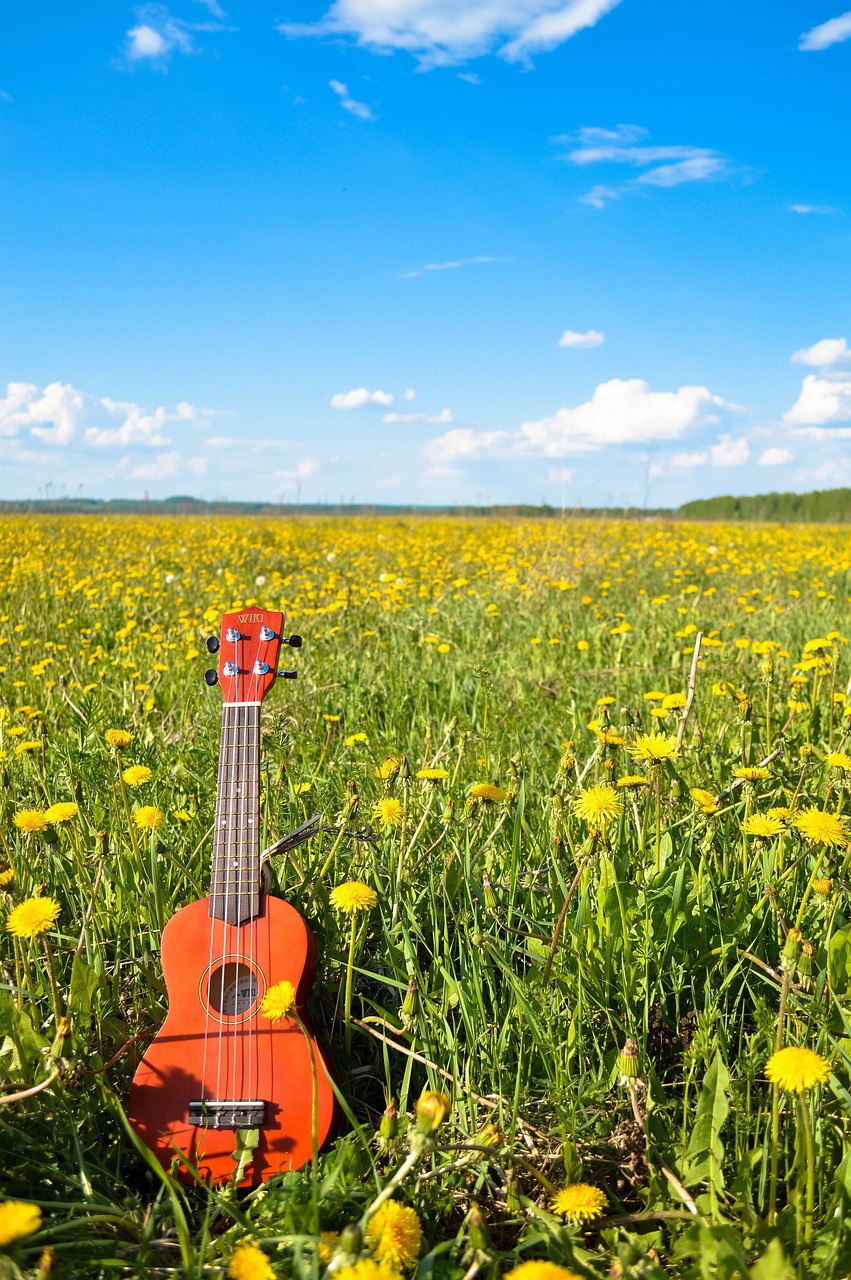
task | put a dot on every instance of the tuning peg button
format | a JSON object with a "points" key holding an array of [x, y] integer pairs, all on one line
{"points": [[288, 675], [295, 642], [211, 676], [212, 643]]}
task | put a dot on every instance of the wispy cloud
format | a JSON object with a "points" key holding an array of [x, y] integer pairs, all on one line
{"points": [[439, 34], [834, 31], [431, 419], [625, 145], [813, 208], [581, 341], [452, 265], [350, 104], [361, 398], [157, 33]]}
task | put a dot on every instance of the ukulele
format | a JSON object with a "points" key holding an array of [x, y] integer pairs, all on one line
{"points": [[217, 1065]]}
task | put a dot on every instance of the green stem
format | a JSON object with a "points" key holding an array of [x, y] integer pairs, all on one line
{"points": [[810, 1162], [775, 1104], [127, 811], [347, 1013], [54, 987], [314, 1124]]}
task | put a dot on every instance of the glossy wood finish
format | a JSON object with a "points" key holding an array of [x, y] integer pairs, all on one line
{"points": [[201, 1053]]}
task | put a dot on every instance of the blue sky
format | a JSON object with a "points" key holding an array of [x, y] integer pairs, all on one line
{"points": [[581, 251]]}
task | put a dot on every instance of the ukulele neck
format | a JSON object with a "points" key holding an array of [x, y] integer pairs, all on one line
{"points": [[235, 878]]}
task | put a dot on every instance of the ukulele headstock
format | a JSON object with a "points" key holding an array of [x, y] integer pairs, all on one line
{"points": [[248, 645]]}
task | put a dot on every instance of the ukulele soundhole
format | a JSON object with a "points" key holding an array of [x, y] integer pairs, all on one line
{"points": [[233, 988]]}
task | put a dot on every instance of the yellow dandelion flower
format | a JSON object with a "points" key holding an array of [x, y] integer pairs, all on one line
{"points": [[672, 701], [301, 788], [331, 719], [583, 646], [6, 877], [137, 774], [395, 1235], [326, 1246], [488, 792], [822, 827], [598, 805], [432, 775], [387, 768], [148, 817], [762, 825], [783, 812], [278, 1002], [31, 821], [654, 695], [432, 1109], [352, 897], [606, 701], [354, 738], [249, 1262], [540, 1269], [705, 800], [822, 885], [63, 811], [17, 1219], [367, 1269], [24, 747], [388, 811], [119, 738], [838, 760], [631, 780], [795, 1070], [610, 739], [579, 1202], [33, 917], [183, 815], [654, 747], [752, 772]]}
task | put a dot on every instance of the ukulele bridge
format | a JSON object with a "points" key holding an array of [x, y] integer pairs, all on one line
{"points": [[227, 1113]]}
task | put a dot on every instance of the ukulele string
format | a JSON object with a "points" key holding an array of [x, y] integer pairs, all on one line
{"points": [[253, 793], [239, 869], [216, 888], [229, 849]]}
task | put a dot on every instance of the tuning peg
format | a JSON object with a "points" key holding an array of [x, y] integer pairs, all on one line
{"points": [[288, 675], [212, 643], [211, 676], [295, 642]]}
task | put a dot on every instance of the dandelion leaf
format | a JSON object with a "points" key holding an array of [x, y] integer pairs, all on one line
{"points": [[705, 1153], [839, 961]]}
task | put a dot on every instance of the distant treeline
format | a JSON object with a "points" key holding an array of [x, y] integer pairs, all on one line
{"points": [[824, 506]]}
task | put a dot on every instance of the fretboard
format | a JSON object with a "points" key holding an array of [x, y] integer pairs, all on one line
{"points": [[235, 878]]}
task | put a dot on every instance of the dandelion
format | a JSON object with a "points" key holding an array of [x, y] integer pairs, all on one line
{"points": [[822, 827], [838, 760], [762, 825], [795, 1070], [705, 800], [654, 747], [119, 738], [33, 917], [354, 738], [752, 773], [352, 897], [487, 792], [432, 775], [249, 1262], [632, 780], [598, 805], [367, 1269], [783, 812], [822, 886], [432, 1109], [137, 774], [387, 768], [540, 1269], [278, 1002], [17, 1219], [31, 821], [6, 877], [183, 815], [23, 748], [326, 1245], [609, 738], [389, 812], [395, 1235], [331, 719], [148, 817], [63, 811], [579, 1202]]}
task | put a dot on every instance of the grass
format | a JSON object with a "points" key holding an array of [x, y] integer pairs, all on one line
{"points": [[517, 945]]}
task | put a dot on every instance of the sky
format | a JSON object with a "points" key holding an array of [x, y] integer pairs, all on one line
{"points": [[582, 252]]}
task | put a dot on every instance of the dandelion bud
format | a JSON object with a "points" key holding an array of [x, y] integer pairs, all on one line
{"points": [[791, 949], [566, 763], [432, 1110], [448, 812], [512, 1192], [489, 1136], [766, 668], [805, 750], [477, 1230], [609, 765], [490, 896], [352, 800], [389, 1125], [45, 1262], [350, 1245], [806, 963], [628, 1063], [822, 885], [408, 1011]]}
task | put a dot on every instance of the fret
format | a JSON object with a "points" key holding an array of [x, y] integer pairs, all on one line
{"points": [[235, 871]]}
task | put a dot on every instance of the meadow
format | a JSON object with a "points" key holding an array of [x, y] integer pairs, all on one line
{"points": [[590, 1008]]}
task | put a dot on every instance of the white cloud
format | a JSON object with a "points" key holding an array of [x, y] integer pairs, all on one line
{"points": [[168, 464], [409, 394], [664, 166], [463, 443], [775, 457], [834, 31], [686, 461], [157, 34], [304, 468], [437, 419], [562, 475], [619, 412], [729, 452], [582, 341], [360, 398], [453, 265], [442, 32], [812, 208], [350, 104], [821, 354], [55, 415], [823, 399], [146, 42]]}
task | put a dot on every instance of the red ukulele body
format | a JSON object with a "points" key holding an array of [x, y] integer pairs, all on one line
{"points": [[218, 1065]]}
